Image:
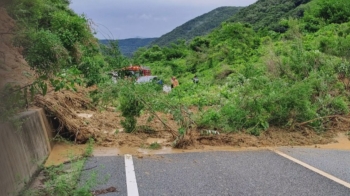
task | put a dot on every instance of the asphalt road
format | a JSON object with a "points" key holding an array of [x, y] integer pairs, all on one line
{"points": [[334, 162], [105, 172], [225, 173]]}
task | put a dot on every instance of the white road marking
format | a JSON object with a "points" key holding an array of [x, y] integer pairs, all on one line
{"points": [[327, 175], [130, 176]]}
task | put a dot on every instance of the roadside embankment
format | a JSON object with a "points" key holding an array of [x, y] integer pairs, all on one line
{"points": [[23, 150]]}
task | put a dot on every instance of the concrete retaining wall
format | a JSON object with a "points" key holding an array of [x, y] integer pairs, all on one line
{"points": [[23, 150]]}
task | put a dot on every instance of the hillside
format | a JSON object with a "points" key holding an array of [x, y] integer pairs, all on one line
{"points": [[128, 46], [296, 79], [267, 13], [198, 26], [248, 82]]}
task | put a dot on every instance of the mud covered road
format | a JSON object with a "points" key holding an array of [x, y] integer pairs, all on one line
{"points": [[251, 172]]}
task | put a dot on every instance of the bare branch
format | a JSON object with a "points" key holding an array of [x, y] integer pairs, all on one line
{"points": [[320, 118]]}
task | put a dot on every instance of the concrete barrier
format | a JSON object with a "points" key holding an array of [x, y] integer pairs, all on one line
{"points": [[23, 150]]}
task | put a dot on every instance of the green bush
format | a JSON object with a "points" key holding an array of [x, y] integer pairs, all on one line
{"points": [[130, 106], [210, 119], [69, 28], [91, 67], [340, 106], [332, 11], [129, 124], [43, 50]]}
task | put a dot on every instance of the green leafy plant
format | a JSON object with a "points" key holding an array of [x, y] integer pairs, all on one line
{"points": [[90, 148], [155, 146], [130, 106], [43, 51]]}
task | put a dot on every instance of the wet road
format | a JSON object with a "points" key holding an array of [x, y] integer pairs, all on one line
{"points": [[262, 172]]}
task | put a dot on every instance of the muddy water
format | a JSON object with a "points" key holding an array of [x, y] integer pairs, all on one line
{"points": [[113, 151], [342, 142], [156, 140], [63, 152]]}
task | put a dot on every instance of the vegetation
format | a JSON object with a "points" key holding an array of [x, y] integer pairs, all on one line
{"points": [[251, 80], [198, 26], [55, 39], [155, 146], [266, 15], [60, 47], [262, 15], [136, 99]]}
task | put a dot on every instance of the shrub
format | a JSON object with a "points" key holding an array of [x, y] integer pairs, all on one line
{"points": [[210, 119], [43, 50], [130, 106], [69, 28]]}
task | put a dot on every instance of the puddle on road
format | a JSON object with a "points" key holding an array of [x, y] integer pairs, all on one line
{"points": [[62, 152], [113, 151]]}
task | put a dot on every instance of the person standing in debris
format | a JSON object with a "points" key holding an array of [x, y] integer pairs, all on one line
{"points": [[195, 79], [174, 82], [160, 82]]}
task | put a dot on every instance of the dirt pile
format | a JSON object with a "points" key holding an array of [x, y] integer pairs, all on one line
{"points": [[82, 120], [65, 106], [77, 119], [272, 137]]}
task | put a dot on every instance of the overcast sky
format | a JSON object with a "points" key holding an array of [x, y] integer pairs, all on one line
{"points": [[120, 19]]}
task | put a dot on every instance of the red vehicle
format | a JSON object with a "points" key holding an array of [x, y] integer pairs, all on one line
{"points": [[137, 70], [132, 71]]}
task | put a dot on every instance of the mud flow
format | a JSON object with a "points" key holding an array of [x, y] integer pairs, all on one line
{"points": [[341, 142], [63, 152]]}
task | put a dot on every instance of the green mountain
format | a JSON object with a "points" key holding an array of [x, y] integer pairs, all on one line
{"points": [[268, 13], [198, 26], [295, 79], [129, 46]]}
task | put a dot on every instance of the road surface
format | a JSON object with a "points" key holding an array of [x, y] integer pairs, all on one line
{"points": [[281, 171]]}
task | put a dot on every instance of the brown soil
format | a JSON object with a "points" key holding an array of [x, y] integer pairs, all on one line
{"points": [[63, 152], [77, 115], [14, 69], [102, 125]]}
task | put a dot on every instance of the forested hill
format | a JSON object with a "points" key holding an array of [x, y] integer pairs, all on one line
{"points": [[253, 81], [198, 26], [129, 46], [268, 13]]}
